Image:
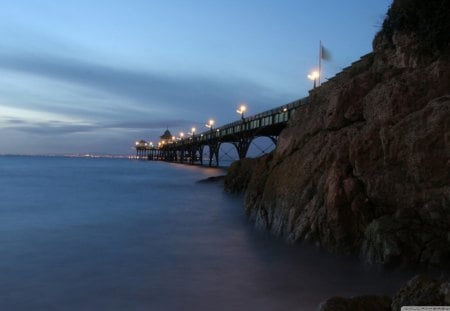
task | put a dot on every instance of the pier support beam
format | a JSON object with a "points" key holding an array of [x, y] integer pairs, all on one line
{"points": [[195, 154], [242, 147], [274, 139], [214, 152]]}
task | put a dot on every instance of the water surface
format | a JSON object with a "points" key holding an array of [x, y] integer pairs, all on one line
{"points": [[105, 234]]}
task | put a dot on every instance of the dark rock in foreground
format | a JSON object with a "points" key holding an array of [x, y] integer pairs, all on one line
{"points": [[419, 291], [422, 291]]}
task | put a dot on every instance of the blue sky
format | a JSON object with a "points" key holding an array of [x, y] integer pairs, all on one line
{"points": [[94, 76]]}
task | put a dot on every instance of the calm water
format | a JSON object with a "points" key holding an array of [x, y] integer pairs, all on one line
{"points": [[98, 234]]}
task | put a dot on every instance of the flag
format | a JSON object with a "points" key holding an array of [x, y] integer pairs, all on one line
{"points": [[324, 53]]}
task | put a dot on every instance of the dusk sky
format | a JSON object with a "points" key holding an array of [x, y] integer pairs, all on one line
{"points": [[80, 76]]}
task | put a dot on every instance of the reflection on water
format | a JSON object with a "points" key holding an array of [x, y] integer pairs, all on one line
{"points": [[95, 234]]}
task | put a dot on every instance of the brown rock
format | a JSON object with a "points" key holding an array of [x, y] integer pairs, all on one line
{"points": [[238, 175], [421, 291], [364, 167], [212, 179]]}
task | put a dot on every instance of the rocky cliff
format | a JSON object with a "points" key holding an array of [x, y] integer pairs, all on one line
{"points": [[419, 291], [365, 166]]}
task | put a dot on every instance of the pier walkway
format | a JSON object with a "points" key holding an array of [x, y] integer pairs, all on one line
{"points": [[240, 134]]}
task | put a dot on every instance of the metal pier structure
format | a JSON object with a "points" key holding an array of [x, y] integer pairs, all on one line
{"points": [[240, 134]]}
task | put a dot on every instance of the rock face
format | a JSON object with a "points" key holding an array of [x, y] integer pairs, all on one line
{"points": [[365, 167], [419, 291], [422, 291]]}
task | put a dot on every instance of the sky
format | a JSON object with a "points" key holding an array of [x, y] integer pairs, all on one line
{"points": [[94, 76]]}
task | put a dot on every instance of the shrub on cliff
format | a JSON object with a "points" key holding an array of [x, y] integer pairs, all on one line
{"points": [[428, 20]]}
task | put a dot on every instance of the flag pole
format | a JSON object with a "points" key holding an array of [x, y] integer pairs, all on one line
{"points": [[320, 61]]}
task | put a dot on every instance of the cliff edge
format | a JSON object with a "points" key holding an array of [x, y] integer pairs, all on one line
{"points": [[365, 166]]}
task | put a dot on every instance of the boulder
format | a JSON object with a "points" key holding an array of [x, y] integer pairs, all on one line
{"points": [[422, 291]]}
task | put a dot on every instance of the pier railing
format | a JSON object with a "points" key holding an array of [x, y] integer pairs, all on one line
{"points": [[239, 133]]}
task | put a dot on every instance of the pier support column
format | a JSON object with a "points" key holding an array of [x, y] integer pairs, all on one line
{"points": [[200, 154], [242, 147], [193, 154], [214, 152], [274, 139]]}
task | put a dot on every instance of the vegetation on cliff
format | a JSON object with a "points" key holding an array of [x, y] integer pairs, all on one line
{"points": [[428, 20]]}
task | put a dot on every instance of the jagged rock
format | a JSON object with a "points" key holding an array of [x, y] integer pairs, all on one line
{"points": [[212, 179], [409, 236], [239, 174], [421, 291], [445, 292], [365, 166], [360, 303]]}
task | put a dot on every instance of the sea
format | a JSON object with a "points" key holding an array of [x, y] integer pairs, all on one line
{"points": [[120, 234]]}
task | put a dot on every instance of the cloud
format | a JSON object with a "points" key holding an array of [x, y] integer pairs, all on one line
{"points": [[162, 93], [68, 103], [14, 122], [152, 125], [47, 128], [56, 128]]}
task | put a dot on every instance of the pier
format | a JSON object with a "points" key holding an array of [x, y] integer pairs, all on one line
{"points": [[240, 134]]}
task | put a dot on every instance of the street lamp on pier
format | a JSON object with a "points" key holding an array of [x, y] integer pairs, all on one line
{"points": [[314, 76], [210, 124], [241, 111]]}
